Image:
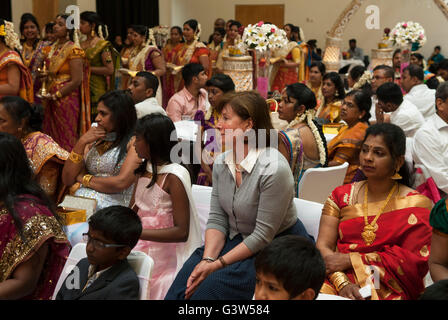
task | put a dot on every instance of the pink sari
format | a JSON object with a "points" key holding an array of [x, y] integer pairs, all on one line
{"points": [[39, 227]]}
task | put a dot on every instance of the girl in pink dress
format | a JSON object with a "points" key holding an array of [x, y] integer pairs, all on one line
{"points": [[163, 201]]}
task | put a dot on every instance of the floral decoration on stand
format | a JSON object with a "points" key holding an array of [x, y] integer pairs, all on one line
{"points": [[264, 39], [409, 32], [410, 36]]}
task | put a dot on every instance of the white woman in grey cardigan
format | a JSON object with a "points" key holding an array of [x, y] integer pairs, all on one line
{"points": [[251, 204]]}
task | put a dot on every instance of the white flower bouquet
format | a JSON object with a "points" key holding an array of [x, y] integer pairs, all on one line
{"points": [[262, 37], [408, 32]]}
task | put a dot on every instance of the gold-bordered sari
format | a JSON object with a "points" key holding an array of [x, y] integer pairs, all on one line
{"points": [[400, 250]]}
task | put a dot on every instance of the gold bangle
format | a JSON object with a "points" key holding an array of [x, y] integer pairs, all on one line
{"points": [[86, 180], [221, 259], [339, 280], [75, 157]]}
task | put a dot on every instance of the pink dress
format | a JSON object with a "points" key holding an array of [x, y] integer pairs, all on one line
{"points": [[156, 212]]}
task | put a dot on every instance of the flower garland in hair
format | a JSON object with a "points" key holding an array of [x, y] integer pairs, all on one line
{"points": [[365, 78], [151, 40], [11, 38], [308, 116], [100, 32], [198, 32]]}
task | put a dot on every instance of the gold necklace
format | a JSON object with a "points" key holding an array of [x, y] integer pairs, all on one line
{"points": [[368, 234]]}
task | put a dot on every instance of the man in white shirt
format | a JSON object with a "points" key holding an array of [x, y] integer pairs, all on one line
{"points": [[381, 75], [430, 147], [143, 89], [417, 92], [402, 112]]}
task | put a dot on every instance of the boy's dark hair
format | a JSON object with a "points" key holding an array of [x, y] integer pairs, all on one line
{"points": [[151, 81], [191, 70], [443, 64], [118, 224], [221, 31], [390, 92], [295, 262], [436, 291]]}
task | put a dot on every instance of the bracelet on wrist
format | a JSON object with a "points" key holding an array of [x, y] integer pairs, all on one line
{"points": [[75, 157], [86, 180], [208, 259], [224, 264]]}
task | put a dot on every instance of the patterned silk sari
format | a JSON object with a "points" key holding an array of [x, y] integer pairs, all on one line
{"points": [[41, 151], [399, 254], [67, 118], [26, 82], [345, 147], [211, 146], [39, 227]]}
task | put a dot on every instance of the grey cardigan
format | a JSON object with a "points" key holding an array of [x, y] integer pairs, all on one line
{"points": [[261, 207]]}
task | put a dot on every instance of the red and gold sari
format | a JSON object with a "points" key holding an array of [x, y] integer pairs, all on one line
{"points": [[189, 54], [67, 118], [39, 227], [26, 82], [400, 251], [345, 147], [282, 76]]}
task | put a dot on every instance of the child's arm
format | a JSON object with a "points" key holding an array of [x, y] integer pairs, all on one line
{"points": [[181, 215]]}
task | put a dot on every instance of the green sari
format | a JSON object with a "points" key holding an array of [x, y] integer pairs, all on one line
{"points": [[100, 84]]}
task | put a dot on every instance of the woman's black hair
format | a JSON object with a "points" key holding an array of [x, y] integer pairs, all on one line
{"points": [[71, 32], [193, 24], [363, 101], [221, 81], [338, 83], [93, 17], [2, 23], [141, 30], [320, 66], [356, 72], [306, 97], [159, 133], [49, 27], [26, 17], [395, 140], [235, 23], [17, 179], [124, 117], [20, 109], [179, 30]]}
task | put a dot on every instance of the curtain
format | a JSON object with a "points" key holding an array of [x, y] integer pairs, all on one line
{"points": [[6, 11], [119, 14]]}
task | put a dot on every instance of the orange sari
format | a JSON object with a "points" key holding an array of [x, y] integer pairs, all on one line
{"points": [[345, 147], [26, 82], [169, 52], [399, 254]]}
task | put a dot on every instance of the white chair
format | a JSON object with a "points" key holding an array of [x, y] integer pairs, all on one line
{"points": [[140, 262], [201, 196], [317, 183], [309, 213]]}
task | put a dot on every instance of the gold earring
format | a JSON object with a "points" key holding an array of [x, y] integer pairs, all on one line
{"points": [[396, 176]]}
